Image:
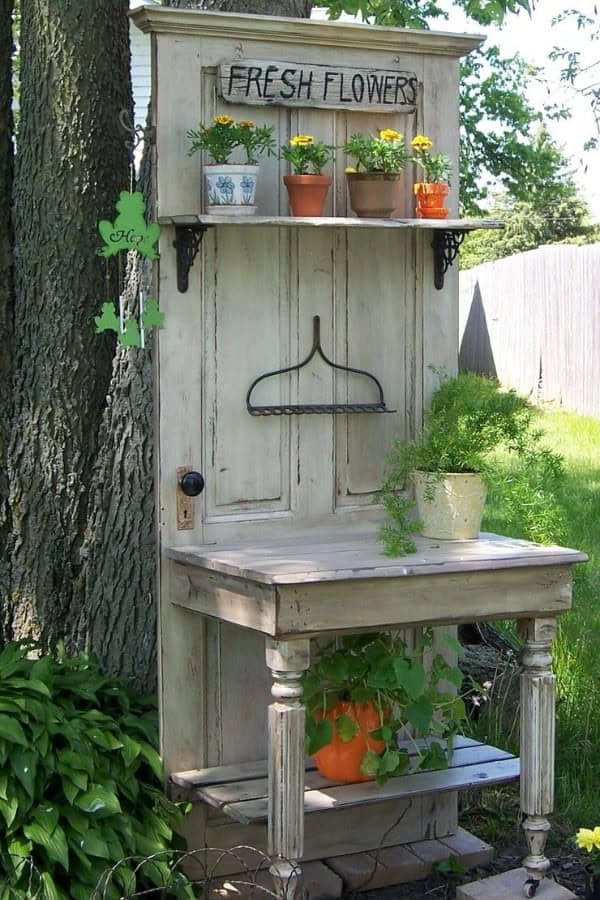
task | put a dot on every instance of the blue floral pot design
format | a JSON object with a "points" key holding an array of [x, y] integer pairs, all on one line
{"points": [[230, 189]]}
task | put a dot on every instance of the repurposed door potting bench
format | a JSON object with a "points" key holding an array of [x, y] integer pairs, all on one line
{"points": [[279, 546]]}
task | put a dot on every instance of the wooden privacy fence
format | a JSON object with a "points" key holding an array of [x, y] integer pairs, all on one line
{"points": [[533, 320]]}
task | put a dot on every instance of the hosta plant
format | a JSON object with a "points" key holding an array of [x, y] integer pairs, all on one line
{"points": [[80, 780], [410, 699]]}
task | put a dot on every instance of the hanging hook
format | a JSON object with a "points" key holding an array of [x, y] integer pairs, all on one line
{"points": [[138, 133]]}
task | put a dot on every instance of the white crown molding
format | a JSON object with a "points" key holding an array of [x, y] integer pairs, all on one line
{"points": [[314, 32]]}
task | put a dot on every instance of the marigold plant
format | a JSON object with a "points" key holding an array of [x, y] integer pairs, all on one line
{"points": [[437, 166], [225, 135], [385, 153], [307, 156]]}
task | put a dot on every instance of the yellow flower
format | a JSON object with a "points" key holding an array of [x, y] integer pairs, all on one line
{"points": [[349, 170], [420, 142], [223, 120], [596, 834], [389, 134], [302, 140], [586, 839], [247, 123]]}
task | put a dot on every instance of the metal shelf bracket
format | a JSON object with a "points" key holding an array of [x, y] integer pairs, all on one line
{"points": [[187, 243], [446, 245]]}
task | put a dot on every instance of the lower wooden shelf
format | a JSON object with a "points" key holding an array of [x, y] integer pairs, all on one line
{"points": [[240, 791]]}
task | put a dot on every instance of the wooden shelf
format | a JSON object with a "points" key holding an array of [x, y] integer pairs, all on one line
{"points": [[240, 791], [447, 234], [330, 222]]}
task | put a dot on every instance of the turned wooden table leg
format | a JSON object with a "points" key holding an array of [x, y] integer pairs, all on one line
{"points": [[537, 745], [287, 660]]}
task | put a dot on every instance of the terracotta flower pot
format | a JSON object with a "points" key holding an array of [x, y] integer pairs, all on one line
{"points": [[341, 761], [451, 506], [307, 193], [430, 200], [376, 194]]}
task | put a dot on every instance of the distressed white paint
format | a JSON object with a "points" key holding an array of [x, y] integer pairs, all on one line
{"points": [[253, 292], [537, 740], [287, 663]]}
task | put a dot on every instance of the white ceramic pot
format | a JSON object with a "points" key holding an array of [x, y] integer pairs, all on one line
{"points": [[450, 506], [230, 189]]}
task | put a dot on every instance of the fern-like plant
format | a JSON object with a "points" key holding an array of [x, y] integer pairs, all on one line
{"points": [[470, 418]]}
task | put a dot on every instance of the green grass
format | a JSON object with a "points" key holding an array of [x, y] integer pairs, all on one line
{"points": [[577, 649]]}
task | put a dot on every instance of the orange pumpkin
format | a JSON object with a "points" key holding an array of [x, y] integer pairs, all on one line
{"points": [[341, 761]]}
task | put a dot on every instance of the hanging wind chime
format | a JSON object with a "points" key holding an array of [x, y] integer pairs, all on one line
{"points": [[129, 232]]}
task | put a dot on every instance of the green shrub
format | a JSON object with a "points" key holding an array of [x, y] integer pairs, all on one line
{"points": [[80, 780]]}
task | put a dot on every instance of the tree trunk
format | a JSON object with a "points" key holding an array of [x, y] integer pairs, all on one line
{"points": [[6, 305], [119, 613], [71, 165]]}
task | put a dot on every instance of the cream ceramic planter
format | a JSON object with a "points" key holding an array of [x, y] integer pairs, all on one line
{"points": [[230, 189], [450, 506]]}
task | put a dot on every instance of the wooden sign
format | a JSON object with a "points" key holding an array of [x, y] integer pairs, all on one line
{"points": [[260, 82]]}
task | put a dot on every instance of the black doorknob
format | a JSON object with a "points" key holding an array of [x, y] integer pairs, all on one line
{"points": [[192, 484]]}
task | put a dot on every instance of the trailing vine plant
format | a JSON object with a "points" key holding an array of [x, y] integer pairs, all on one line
{"points": [[411, 699]]}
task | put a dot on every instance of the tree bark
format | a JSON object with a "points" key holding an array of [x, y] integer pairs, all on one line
{"points": [[71, 164], [119, 619], [6, 300]]}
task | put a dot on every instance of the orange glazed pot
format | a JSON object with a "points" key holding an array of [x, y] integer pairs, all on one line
{"points": [[430, 200], [307, 193], [340, 761]]}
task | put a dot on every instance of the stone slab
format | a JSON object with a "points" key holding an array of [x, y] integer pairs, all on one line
{"points": [[469, 849], [367, 871], [509, 886], [319, 881], [408, 862]]}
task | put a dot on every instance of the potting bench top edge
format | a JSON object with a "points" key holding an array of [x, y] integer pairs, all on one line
{"points": [[343, 553]]}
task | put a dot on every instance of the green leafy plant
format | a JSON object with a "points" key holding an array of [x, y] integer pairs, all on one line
{"points": [[381, 669], [451, 870], [225, 135], [80, 780], [469, 419], [386, 153], [437, 166], [307, 156]]}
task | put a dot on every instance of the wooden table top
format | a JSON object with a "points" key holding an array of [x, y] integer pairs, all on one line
{"points": [[349, 553]]}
